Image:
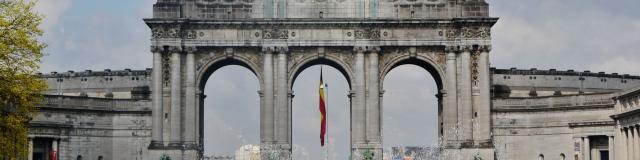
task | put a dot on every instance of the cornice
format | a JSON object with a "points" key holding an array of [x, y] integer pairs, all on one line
{"points": [[320, 23]]}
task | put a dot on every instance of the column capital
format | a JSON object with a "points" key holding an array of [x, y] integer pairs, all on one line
{"points": [[375, 49], [485, 48], [364, 49], [359, 49], [452, 49], [278, 49], [175, 49], [466, 48], [267, 49], [156, 49], [190, 49], [282, 49]]}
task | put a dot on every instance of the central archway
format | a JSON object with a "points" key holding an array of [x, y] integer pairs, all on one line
{"points": [[306, 116]]}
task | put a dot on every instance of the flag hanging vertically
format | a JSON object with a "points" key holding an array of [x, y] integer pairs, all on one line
{"points": [[323, 118]]}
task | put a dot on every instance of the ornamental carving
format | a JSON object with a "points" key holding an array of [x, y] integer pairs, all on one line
{"points": [[452, 33], [438, 57], [476, 32], [209, 55], [167, 31], [189, 34], [166, 71], [387, 58], [366, 34], [475, 57], [275, 34]]}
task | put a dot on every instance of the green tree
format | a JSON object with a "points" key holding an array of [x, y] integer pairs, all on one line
{"points": [[20, 87]]}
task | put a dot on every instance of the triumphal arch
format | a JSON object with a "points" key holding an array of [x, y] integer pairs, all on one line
{"points": [[278, 39]]}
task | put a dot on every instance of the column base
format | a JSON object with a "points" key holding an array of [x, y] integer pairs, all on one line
{"points": [[174, 145], [367, 151], [156, 145], [483, 143], [275, 152], [468, 153], [174, 154]]}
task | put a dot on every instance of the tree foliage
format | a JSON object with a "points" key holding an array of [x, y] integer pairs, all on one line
{"points": [[20, 87]]}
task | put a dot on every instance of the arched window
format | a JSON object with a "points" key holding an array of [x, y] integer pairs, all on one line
{"points": [[541, 157], [562, 157], [79, 157]]}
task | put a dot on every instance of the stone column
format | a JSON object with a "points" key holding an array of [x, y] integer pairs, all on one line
{"points": [[634, 139], [358, 112], [374, 109], [176, 103], [465, 112], [266, 111], [630, 149], [280, 95], [482, 131], [156, 134], [636, 142], [612, 151], [30, 149], [586, 148], [54, 147], [623, 144], [450, 96], [190, 117], [281, 92], [374, 133]]}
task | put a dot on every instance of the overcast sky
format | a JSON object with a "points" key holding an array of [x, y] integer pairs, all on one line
{"points": [[582, 35]]}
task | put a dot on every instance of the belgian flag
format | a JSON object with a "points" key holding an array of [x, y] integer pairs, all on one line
{"points": [[323, 114]]}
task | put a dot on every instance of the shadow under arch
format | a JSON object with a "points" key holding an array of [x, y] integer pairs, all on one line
{"points": [[210, 67], [420, 61], [311, 61]]}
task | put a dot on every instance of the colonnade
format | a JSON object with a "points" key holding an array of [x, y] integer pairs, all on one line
{"points": [[463, 72], [628, 143], [54, 148]]}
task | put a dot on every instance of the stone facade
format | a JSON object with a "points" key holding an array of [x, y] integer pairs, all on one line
{"points": [[505, 114], [627, 127], [93, 115]]}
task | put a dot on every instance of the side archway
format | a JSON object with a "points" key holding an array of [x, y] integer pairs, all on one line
{"points": [[428, 62], [205, 71]]}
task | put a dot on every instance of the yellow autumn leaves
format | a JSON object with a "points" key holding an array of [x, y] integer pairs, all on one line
{"points": [[20, 87]]}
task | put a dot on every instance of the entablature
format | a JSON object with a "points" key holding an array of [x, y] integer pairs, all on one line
{"points": [[325, 32]]}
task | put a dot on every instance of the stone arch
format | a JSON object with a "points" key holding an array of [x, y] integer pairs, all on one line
{"points": [[427, 63], [203, 74], [431, 66], [206, 69], [309, 61]]}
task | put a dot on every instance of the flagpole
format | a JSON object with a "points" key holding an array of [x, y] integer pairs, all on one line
{"points": [[327, 117]]}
